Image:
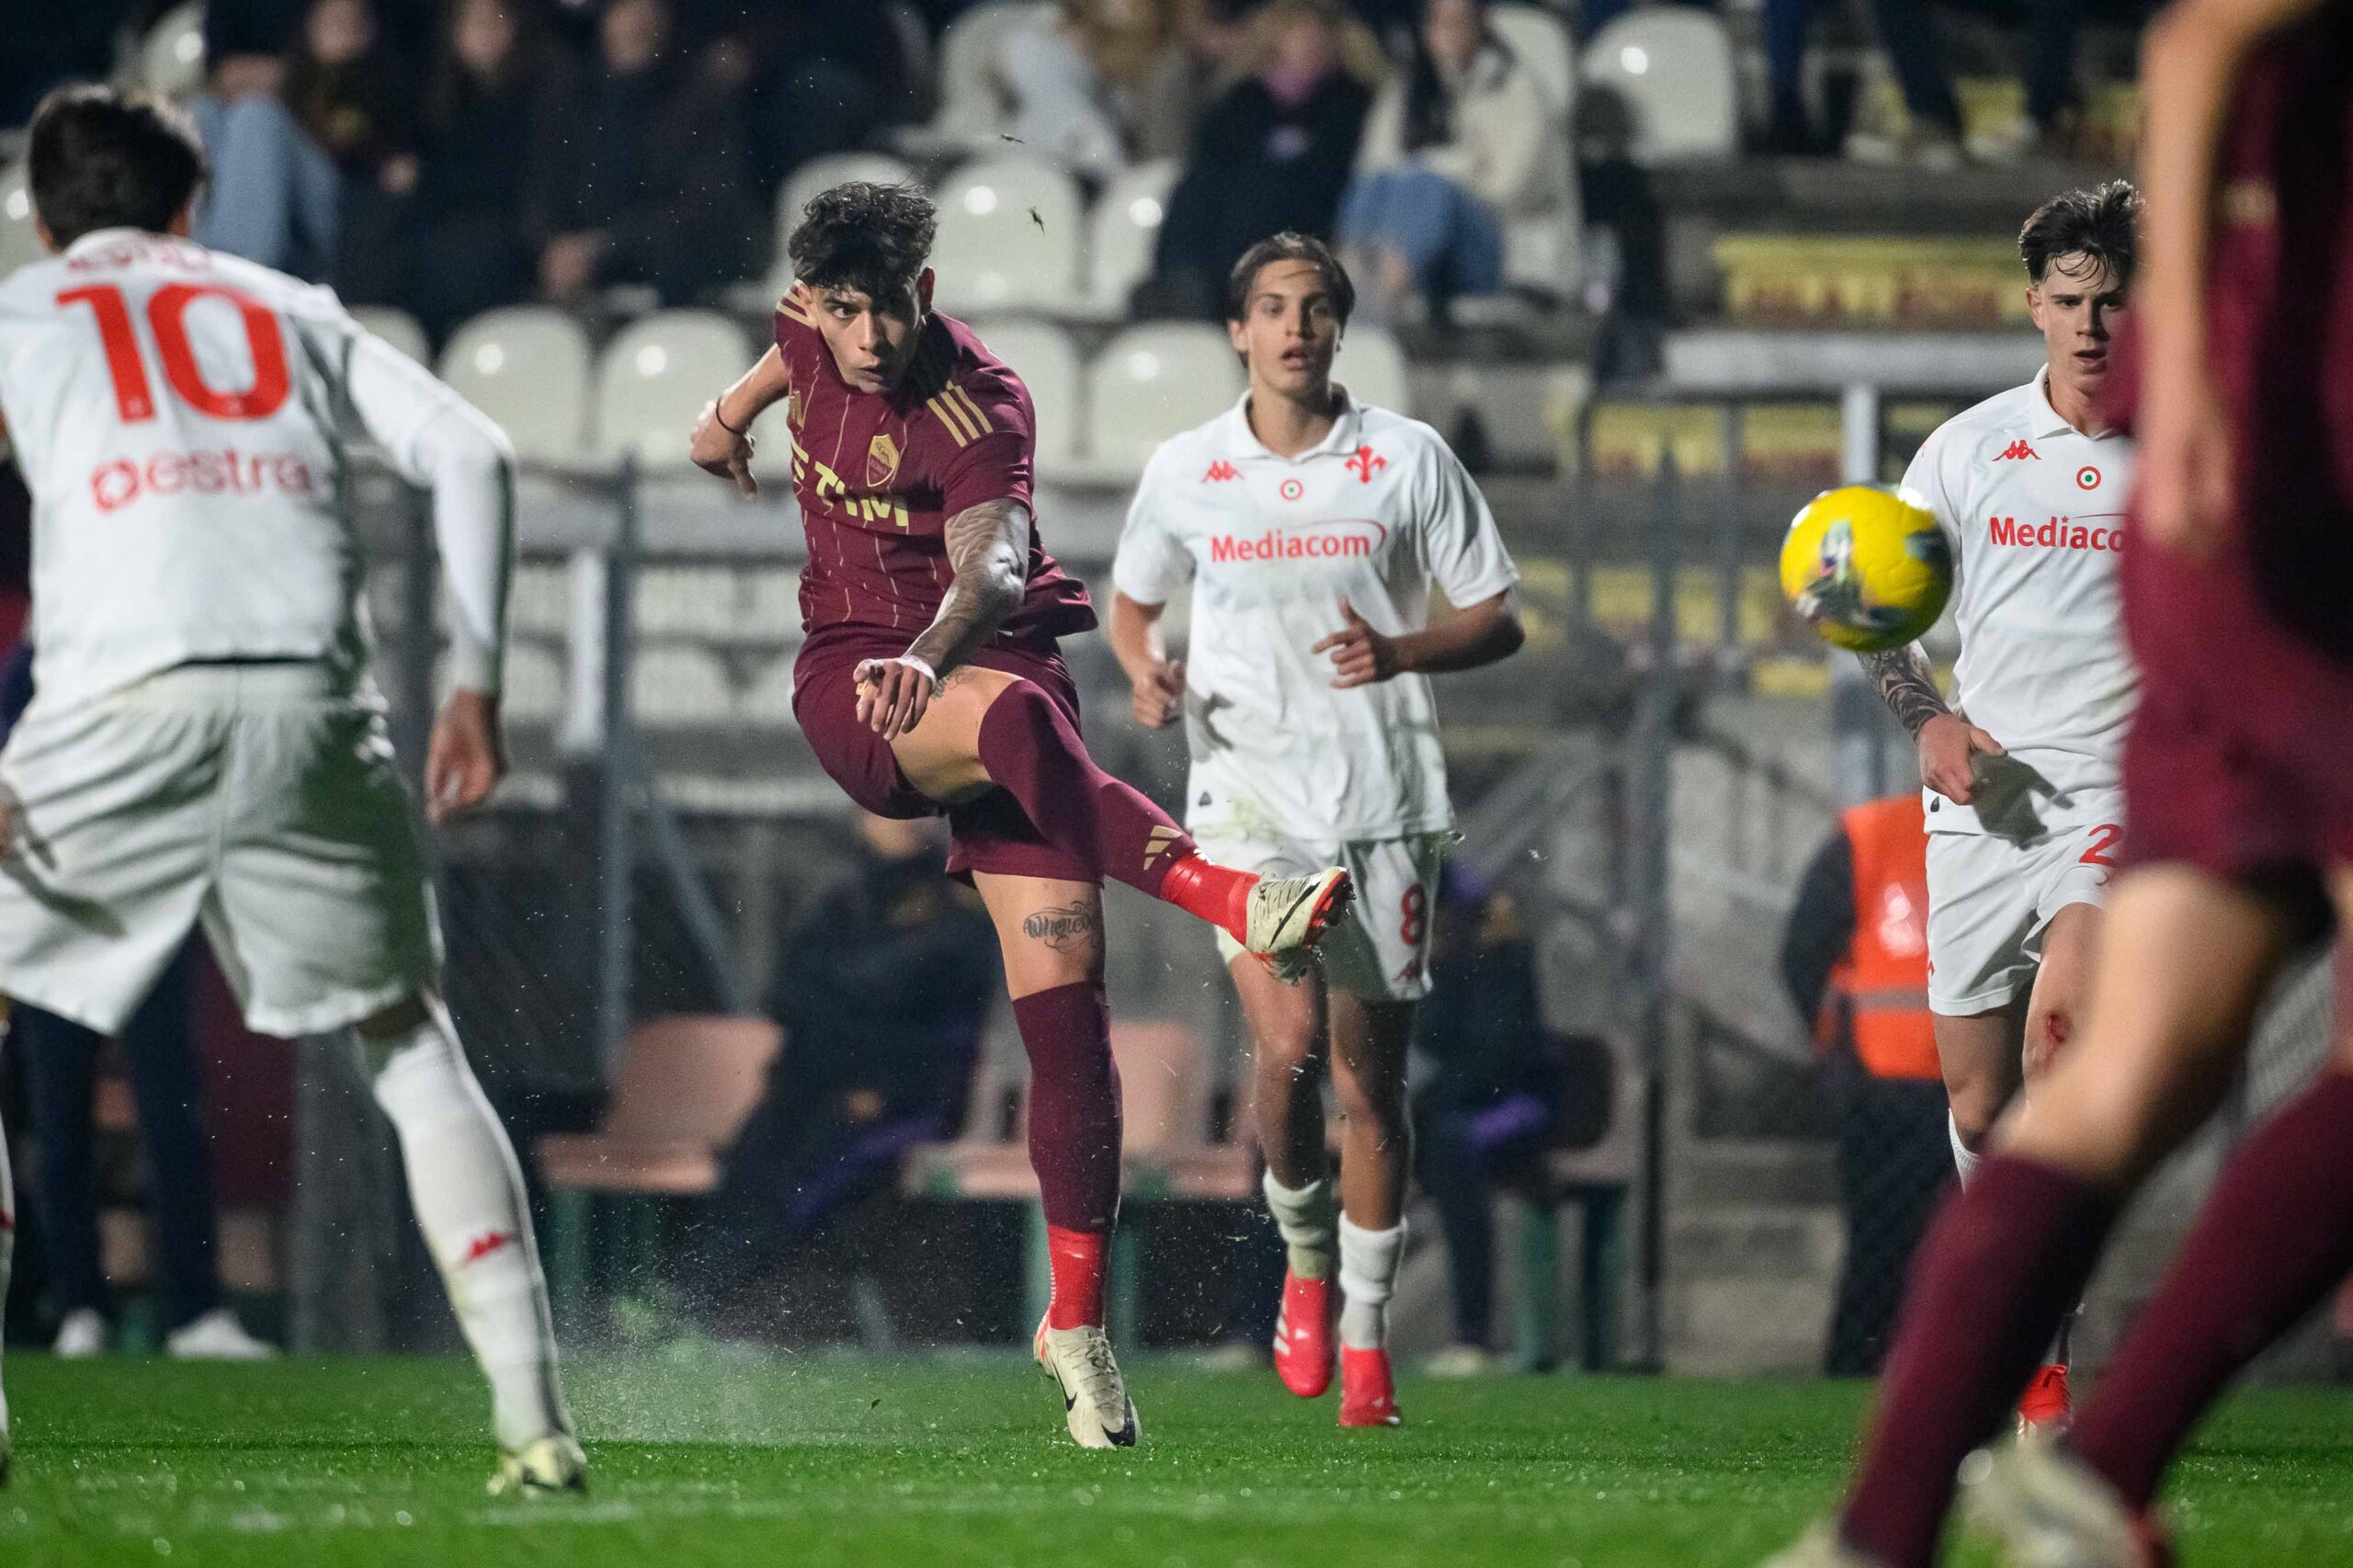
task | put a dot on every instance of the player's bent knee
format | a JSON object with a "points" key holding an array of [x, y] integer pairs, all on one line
{"points": [[402, 1018]]}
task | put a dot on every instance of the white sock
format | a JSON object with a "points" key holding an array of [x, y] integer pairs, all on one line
{"points": [[1368, 1276], [1964, 1158], [468, 1194], [1304, 1215]]}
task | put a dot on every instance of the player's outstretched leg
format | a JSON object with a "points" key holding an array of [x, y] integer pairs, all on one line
{"points": [[468, 1194], [1369, 1044], [989, 727], [1051, 934], [1287, 1105]]}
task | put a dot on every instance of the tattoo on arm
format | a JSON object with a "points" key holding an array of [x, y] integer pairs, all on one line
{"points": [[988, 551], [1906, 685], [1072, 925]]}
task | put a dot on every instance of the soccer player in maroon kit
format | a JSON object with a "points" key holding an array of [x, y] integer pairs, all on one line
{"points": [[929, 683], [2238, 779]]}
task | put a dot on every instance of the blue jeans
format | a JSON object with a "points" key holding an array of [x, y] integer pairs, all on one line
{"points": [[274, 197], [1451, 239]]}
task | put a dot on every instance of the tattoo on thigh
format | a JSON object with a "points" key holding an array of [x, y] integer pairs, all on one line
{"points": [[1072, 925]]}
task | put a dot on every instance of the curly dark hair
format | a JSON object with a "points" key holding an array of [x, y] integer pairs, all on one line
{"points": [[1289, 245], [2101, 222], [873, 238], [102, 158]]}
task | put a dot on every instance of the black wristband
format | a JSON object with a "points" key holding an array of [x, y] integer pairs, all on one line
{"points": [[719, 416]]}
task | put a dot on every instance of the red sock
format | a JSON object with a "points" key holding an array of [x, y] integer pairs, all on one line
{"points": [[2276, 1236], [1078, 1257], [2004, 1263], [1218, 894]]}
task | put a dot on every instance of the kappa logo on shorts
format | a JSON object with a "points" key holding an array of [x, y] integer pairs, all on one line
{"points": [[482, 1246], [2018, 450]]}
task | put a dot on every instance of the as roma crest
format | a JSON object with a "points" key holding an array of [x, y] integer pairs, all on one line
{"points": [[881, 461]]}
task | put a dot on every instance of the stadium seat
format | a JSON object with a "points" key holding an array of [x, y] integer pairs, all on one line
{"points": [[1150, 382], [683, 1087], [540, 598], [1543, 249], [1124, 229], [526, 367], [821, 174], [1672, 68], [396, 327], [1009, 233], [171, 57], [533, 691], [19, 245], [768, 701], [971, 104], [1048, 363], [653, 378], [677, 687], [1538, 40], [697, 602], [1372, 366]]}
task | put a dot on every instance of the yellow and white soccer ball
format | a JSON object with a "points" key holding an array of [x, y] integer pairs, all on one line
{"points": [[1866, 566]]}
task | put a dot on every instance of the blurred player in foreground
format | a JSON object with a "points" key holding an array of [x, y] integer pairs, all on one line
{"points": [[2022, 773], [1314, 528], [929, 683], [206, 741], [2238, 779]]}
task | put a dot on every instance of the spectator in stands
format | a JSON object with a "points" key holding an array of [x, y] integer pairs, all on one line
{"points": [[1855, 959], [273, 192], [1270, 153], [1489, 1100], [883, 988], [641, 174], [824, 79], [469, 246], [1102, 83], [61, 1061], [354, 98], [1459, 141]]}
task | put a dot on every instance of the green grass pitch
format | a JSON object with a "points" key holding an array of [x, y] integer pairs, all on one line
{"points": [[816, 1461]]}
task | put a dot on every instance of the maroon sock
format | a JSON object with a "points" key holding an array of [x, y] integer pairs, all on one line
{"points": [[2276, 1236], [1073, 1103], [2005, 1261], [1032, 753]]}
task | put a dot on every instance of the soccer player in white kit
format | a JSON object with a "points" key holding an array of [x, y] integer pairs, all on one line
{"points": [[206, 742], [2022, 772], [1313, 529]]}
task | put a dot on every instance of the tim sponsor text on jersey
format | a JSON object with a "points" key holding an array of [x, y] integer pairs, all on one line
{"points": [[2055, 533], [1334, 539]]}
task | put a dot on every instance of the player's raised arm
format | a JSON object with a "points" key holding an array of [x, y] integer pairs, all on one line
{"points": [[988, 552], [721, 443], [434, 438]]}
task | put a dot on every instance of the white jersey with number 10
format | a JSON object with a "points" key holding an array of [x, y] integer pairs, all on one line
{"points": [[182, 419]]}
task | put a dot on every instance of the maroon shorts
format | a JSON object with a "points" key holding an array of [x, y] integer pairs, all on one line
{"points": [[989, 833], [2240, 758]]}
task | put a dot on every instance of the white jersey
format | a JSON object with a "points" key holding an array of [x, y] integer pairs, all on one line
{"points": [[2035, 511], [1376, 512], [182, 419]]}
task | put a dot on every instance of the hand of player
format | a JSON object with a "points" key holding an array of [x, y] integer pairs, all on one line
{"points": [[717, 450], [1949, 747], [892, 694], [1160, 696], [1360, 656], [466, 757], [2185, 463]]}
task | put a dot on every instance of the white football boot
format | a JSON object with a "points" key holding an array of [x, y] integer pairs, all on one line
{"points": [[1289, 914], [2051, 1510], [1094, 1397], [216, 1336], [541, 1468], [81, 1334]]}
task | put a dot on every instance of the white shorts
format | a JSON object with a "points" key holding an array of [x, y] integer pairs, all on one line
{"points": [[1991, 899], [1381, 952], [253, 797]]}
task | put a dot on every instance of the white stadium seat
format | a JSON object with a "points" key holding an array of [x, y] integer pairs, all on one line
{"points": [[540, 598], [1009, 237], [1150, 382], [19, 245], [676, 688], [821, 174], [396, 327], [768, 701], [1539, 40], [1543, 249], [532, 691], [171, 57], [1372, 366], [971, 105], [1124, 230], [1043, 354], [1672, 68], [653, 378], [526, 367]]}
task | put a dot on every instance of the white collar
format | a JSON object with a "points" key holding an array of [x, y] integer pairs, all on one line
{"points": [[2046, 420], [1347, 429]]}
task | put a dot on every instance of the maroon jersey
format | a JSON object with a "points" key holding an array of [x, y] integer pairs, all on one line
{"points": [[880, 475]]}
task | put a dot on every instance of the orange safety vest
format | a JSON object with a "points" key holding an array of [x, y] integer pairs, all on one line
{"points": [[1881, 985]]}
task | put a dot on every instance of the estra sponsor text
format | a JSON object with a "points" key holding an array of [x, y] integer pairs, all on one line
{"points": [[222, 471], [2056, 533]]}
